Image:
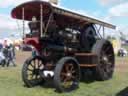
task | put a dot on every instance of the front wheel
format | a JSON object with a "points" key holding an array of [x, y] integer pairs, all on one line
{"points": [[67, 74], [31, 71]]}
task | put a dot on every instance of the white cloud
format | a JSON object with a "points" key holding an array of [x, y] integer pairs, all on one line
{"points": [[6, 22], [119, 10], [116, 15], [110, 2], [119, 22], [7, 3], [9, 26]]}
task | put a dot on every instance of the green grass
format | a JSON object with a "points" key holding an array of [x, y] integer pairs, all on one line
{"points": [[11, 85], [126, 47]]}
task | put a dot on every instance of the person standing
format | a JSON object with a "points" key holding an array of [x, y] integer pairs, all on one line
{"points": [[5, 52], [11, 55], [2, 58], [34, 52]]}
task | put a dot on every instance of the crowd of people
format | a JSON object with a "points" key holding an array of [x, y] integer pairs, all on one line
{"points": [[7, 55]]}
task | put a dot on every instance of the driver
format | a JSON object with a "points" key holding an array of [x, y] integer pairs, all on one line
{"points": [[34, 26]]}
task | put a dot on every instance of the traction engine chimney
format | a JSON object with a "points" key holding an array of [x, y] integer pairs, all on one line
{"points": [[54, 1]]}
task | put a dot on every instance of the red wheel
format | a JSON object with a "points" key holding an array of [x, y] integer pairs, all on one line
{"points": [[67, 74]]}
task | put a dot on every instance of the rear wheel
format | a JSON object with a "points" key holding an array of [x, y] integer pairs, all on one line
{"points": [[67, 74], [106, 61], [31, 71]]}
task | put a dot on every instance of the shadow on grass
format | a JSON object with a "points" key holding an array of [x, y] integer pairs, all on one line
{"points": [[87, 77], [123, 92], [48, 84], [44, 84]]}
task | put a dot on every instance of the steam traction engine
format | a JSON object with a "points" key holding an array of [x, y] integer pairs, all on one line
{"points": [[68, 43]]}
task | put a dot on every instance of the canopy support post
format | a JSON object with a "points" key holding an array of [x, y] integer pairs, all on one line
{"points": [[98, 30], [23, 23], [50, 17], [103, 32], [41, 20]]}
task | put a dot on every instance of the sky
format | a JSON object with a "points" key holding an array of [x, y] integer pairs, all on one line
{"points": [[112, 11]]}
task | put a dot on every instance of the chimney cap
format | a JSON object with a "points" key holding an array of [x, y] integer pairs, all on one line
{"points": [[54, 1]]}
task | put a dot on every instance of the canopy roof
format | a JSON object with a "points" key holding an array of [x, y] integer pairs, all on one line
{"points": [[62, 16]]}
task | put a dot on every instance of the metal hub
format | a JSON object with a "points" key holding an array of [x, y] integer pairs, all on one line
{"points": [[36, 71], [105, 59], [69, 74]]}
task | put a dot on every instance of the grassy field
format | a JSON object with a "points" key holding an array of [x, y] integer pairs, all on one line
{"points": [[126, 47], [11, 83]]}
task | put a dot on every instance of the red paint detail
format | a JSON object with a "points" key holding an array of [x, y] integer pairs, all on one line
{"points": [[34, 42]]}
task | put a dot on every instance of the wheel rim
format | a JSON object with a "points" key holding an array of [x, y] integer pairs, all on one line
{"points": [[69, 75], [32, 76], [107, 59]]}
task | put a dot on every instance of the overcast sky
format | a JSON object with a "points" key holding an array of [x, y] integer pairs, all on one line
{"points": [[113, 11]]}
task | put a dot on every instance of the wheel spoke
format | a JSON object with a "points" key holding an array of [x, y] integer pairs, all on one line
{"points": [[107, 49], [34, 61], [105, 73], [109, 63], [110, 66], [34, 64], [105, 69], [63, 74], [66, 79], [36, 76], [73, 77], [73, 71], [67, 68], [30, 69], [71, 67], [110, 55], [32, 75], [31, 65], [39, 63]]}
